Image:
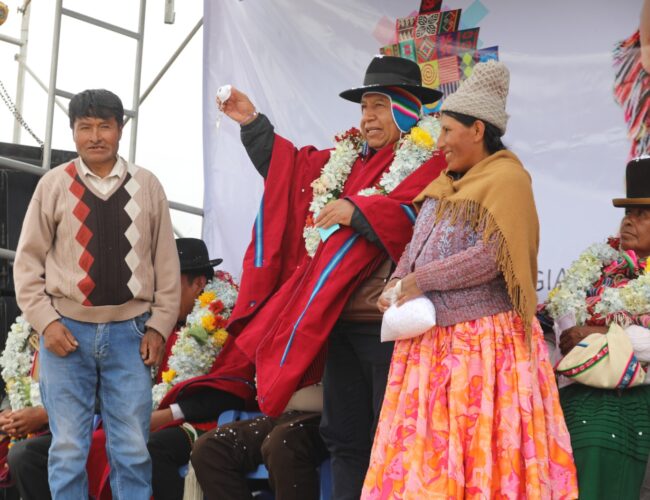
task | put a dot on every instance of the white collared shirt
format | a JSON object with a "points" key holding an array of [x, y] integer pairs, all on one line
{"points": [[103, 184]]}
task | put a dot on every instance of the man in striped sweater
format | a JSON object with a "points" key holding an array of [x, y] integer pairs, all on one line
{"points": [[97, 275]]}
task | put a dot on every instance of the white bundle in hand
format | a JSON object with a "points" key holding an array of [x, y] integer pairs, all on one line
{"points": [[409, 320]]}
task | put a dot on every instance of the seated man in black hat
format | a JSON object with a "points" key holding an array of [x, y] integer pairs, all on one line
{"points": [[294, 292], [229, 386]]}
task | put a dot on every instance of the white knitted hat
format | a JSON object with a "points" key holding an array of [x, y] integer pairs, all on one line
{"points": [[483, 94]]}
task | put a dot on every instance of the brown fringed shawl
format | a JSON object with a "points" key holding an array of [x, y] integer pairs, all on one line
{"points": [[496, 195]]}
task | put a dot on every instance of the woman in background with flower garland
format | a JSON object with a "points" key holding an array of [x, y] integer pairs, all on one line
{"points": [[610, 429], [296, 281], [471, 409]]}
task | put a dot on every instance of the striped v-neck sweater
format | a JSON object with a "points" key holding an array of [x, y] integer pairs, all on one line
{"points": [[97, 257]]}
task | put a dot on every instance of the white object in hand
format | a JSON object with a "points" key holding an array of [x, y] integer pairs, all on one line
{"points": [[409, 320], [223, 93]]}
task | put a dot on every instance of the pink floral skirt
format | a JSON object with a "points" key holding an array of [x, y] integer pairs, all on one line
{"points": [[471, 411]]}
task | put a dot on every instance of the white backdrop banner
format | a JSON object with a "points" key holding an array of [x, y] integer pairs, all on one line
{"points": [[293, 58]]}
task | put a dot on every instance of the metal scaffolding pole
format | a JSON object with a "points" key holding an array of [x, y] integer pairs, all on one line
{"points": [[53, 91], [7, 254], [54, 65], [136, 82], [21, 166], [40, 83], [9, 39], [21, 56], [171, 60], [26, 167]]}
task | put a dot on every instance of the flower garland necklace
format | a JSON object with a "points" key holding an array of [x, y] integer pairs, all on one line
{"points": [[203, 336], [412, 151], [616, 303], [17, 361]]}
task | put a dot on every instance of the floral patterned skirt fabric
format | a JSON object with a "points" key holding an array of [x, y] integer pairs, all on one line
{"points": [[470, 411]]}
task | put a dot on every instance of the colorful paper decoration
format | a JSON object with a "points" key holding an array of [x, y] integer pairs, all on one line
{"points": [[405, 28], [443, 42], [449, 21], [425, 48], [448, 88], [430, 76], [430, 5], [390, 50], [488, 54], [427, 25], [466, 61], [473, 15], [467, 39], [384, 31], [448, 69], [446, 45], [407, 50]]}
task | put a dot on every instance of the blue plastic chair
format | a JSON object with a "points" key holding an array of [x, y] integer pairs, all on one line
{"points": [[325, 479]]}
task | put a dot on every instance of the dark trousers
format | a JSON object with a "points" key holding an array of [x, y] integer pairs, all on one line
{"points": [[645, 487], [355, 379], [28, 465], [290, 446], [169, 449]]}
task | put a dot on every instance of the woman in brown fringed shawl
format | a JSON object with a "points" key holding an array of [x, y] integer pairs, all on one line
{"points": [[471, 408]]}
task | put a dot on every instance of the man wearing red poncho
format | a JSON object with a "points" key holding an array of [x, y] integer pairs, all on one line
{"points": [[294, 289]]}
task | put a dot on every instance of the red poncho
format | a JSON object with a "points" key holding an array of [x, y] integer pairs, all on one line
{"points": [[288, 302]]}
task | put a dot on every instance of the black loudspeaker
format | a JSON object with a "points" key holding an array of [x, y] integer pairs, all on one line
{"points": [[34, 155], [16, 189]]}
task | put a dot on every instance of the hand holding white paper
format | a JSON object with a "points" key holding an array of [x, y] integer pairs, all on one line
{"points": [[223, 94], [409, 320]]}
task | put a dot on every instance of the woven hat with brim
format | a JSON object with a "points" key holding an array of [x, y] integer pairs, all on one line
{"points": [[483, 95], [637, 184], [193, 255], [389, 71]]}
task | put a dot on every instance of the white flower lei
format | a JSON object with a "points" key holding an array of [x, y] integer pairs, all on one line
{"points": [[412, 151], [202, 337], [570, 295], [16, 362]]}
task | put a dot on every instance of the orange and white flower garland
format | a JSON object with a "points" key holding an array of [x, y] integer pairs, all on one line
{"points": [[201, 339]]}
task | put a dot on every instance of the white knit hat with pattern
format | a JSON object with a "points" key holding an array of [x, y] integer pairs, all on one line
{"points": [[483, 94]]}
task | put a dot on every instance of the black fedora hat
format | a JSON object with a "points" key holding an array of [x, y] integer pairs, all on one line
{"points": [[390, 71], [637, 183], [193, 255]]}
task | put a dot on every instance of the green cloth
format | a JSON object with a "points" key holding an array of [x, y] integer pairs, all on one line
{"points": [[610, 436]]}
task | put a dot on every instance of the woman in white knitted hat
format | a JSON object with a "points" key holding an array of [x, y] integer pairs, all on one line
{"points": [[471, 409]]}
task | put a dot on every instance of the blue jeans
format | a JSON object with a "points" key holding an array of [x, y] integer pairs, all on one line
{"points": [[106, 365]]}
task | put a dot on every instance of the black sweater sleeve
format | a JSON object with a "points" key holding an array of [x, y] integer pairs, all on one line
{"points": [[361, 225], [207, 404], [258, 138]]}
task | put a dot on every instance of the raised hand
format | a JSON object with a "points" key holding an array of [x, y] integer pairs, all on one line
{"points": [[238, 107]]}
